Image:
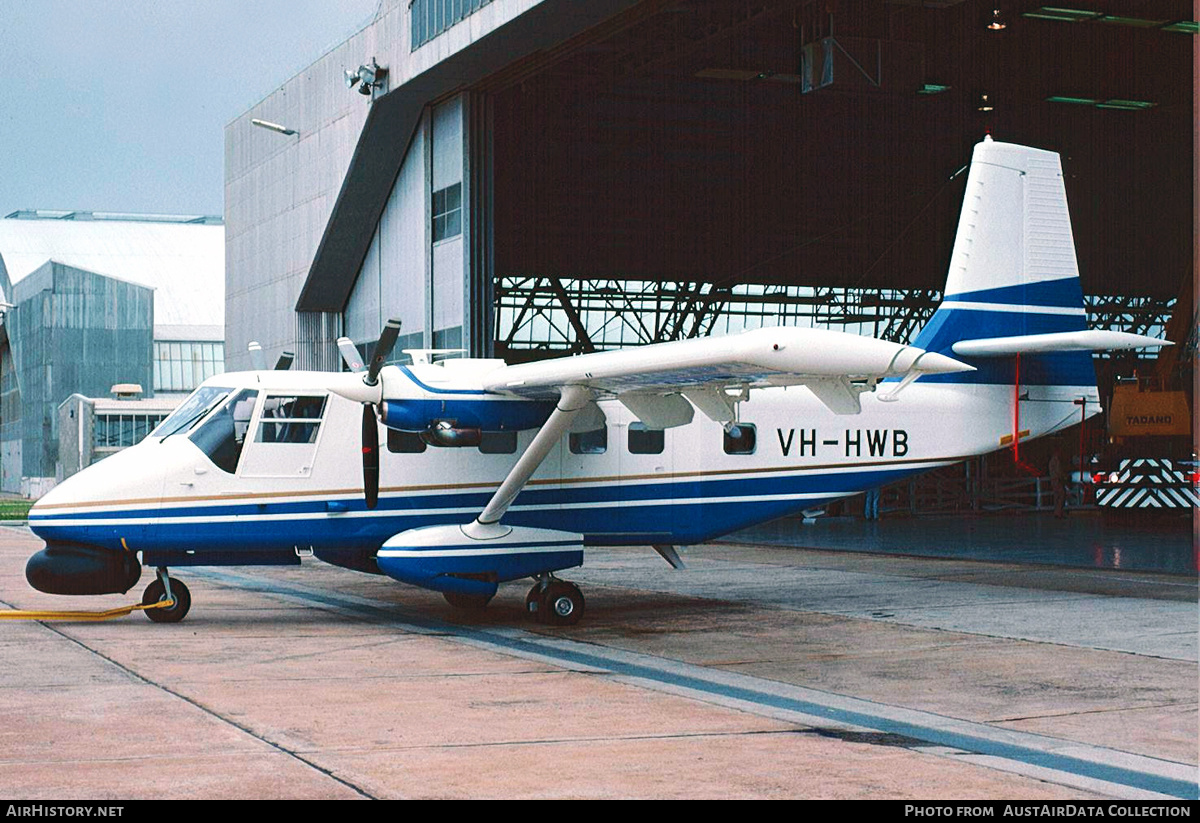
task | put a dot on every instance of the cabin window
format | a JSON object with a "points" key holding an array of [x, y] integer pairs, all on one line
{"points": [[741, 438], [224, 433], [645, 441], [291, 419], [498, 443], [399, 442], [593, 442]]}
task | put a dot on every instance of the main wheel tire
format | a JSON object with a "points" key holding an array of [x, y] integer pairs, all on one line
{"points": [[467, 602], [157, 592], [561, 604]]}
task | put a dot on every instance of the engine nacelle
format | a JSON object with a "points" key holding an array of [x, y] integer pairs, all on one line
{"points": [[494, 414], [448, 559], [73, 568]]}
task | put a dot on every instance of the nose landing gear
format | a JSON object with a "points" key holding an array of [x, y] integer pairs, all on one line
{"points": [[554, 602], [164, 588]]}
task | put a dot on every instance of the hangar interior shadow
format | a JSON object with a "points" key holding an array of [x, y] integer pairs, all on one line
{"points": [[787, 142]]}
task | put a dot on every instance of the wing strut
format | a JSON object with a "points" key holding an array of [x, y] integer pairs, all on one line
{"points": [[573, 400]]}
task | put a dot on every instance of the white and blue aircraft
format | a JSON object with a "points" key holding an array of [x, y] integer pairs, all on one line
{"points": [[493, 473]]}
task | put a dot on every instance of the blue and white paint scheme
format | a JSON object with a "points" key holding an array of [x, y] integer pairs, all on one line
{"points": [[494, 472]]}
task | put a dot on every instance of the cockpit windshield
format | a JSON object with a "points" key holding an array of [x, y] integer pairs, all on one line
{"points": [[191, 411]]}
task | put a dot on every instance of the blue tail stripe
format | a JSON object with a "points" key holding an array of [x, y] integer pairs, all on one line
{"points": [[1063, 293], [948, 326]]}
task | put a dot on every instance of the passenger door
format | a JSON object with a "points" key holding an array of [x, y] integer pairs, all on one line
{"points": [[286, 435]]}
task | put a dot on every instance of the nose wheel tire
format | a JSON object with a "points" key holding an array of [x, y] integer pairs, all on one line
{"points": [[156, 592], [559, 604]]}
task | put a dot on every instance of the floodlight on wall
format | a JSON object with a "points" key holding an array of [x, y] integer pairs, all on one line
{"points": [[985, 103], [266, 124], [367, 77], [997, 23]]}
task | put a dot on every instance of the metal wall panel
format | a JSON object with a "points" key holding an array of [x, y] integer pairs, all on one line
{"points": [[391, 282], [448, 261], [73, 331]]}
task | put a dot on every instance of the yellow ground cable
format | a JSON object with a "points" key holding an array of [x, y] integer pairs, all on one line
{"points": [[95, 617]]}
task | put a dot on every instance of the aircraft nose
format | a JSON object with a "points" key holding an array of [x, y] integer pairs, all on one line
{"points": [[115, 492]]}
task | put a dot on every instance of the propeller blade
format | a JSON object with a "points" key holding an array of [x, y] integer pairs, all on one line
{"points": [[256, 356], [383, 350], [350, 354], [285, 361], [370, 455]]}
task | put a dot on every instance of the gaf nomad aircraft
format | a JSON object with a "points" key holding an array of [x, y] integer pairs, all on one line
{"points": [[667, 444]]}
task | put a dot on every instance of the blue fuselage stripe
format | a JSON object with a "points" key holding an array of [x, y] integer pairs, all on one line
{"points": [[682, 512], [683, 490]]}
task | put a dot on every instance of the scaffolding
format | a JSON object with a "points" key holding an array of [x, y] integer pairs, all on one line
{"points": [[553, 315]]}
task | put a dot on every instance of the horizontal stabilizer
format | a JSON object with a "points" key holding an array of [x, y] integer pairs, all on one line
{"points": [[1090, 340]]}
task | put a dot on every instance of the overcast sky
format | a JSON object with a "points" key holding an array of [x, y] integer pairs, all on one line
{"points": [[121, 105]]}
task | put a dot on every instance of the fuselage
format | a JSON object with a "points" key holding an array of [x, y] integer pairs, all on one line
{"points": [[295, 486]]}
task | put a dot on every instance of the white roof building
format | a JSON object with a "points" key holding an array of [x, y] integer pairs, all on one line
{"points": [[181, 257]]}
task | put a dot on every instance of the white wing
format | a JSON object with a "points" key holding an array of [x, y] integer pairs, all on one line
{"points": [[650, 380]]}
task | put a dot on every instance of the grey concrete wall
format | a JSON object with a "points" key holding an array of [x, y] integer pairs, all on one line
{"points": [[280, 190]]}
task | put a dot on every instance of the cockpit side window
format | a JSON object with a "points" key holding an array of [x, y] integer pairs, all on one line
{"points": [[224, 433], [290, 419]]}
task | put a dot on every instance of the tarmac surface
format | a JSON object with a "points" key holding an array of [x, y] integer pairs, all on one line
{"points": [[757, 672], [1140, 541]]}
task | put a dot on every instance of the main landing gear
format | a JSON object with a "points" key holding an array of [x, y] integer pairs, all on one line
{"points": [[554, 602], [165, 588]]}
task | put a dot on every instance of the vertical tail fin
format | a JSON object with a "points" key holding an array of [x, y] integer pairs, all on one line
{"points": [[1013, 270]]}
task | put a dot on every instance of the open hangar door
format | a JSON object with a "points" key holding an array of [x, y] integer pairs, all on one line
{"points": [[805, 155], [700, 167]]}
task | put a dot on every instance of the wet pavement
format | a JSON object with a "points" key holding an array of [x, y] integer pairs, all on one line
{"points": [[1084, 539]]}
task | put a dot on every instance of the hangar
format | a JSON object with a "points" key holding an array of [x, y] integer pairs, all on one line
{"points": [[522, 179]]}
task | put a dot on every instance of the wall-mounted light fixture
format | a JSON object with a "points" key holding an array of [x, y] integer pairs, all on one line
{"points": [[266, 124], [997, 23], [367, 77]]}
